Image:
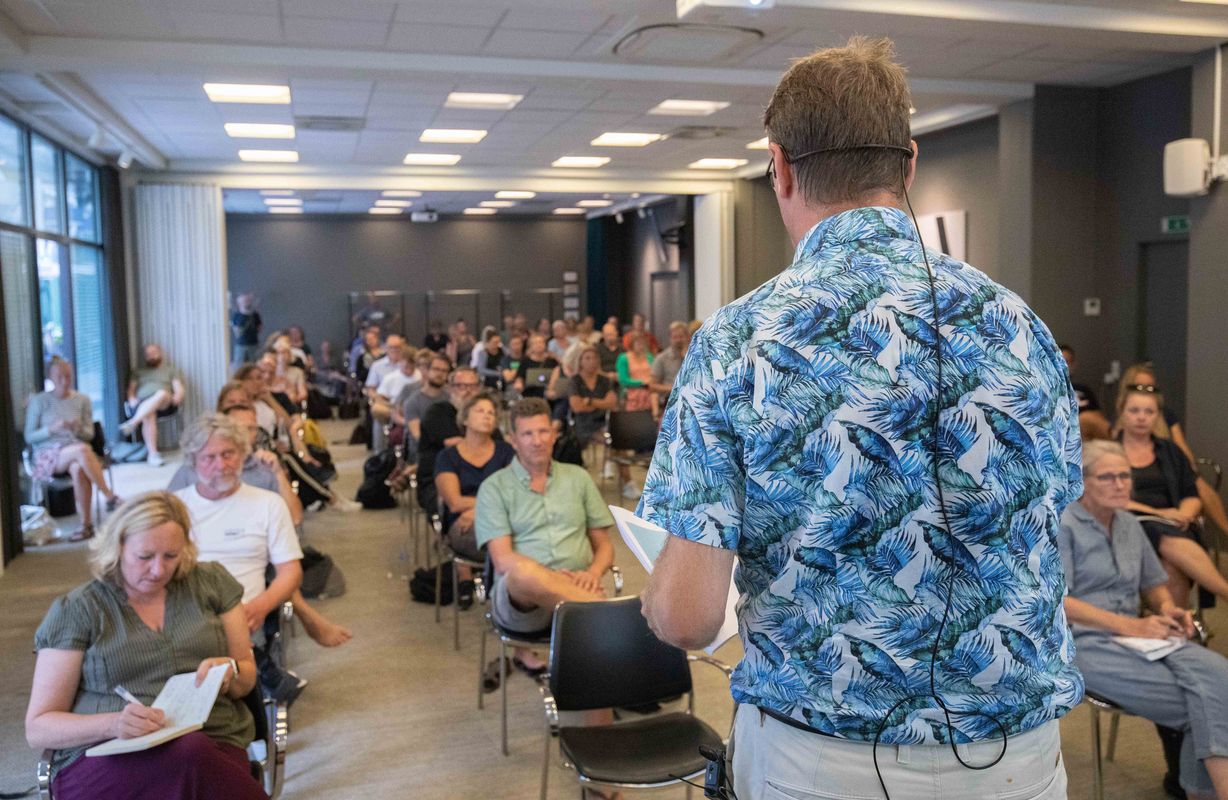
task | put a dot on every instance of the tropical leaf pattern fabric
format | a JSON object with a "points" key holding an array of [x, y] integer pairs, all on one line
{"points": [[799, 434]]}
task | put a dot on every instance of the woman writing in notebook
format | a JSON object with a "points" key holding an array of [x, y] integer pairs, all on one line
{"points": [[150, 612], [1109, 565]]}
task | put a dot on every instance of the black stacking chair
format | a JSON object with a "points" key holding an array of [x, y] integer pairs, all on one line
{"points": [[603, 655], [445, 552], [630, 438], [510, 638]]}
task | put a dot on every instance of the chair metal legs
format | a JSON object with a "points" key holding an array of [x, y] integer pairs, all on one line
{"points": [[482, 669], [1111, 750], [503, 687], [1097, 767]]}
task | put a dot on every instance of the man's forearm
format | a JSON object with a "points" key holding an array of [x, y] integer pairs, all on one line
{"points": [[603, 559]]}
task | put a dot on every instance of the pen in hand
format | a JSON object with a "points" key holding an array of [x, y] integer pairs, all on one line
{"points": [[127, 695]]}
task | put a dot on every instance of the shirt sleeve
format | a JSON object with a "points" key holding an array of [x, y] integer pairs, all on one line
{"points": [[491, 518], [1065, 547], [35, 430], [595, 507], [696, 483], [283, 541], [219, 589], [446, 462], [66, 625]]}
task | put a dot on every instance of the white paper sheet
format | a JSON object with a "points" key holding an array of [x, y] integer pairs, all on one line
{"points": [[1151, 649], [186, 705], [646, 541]]}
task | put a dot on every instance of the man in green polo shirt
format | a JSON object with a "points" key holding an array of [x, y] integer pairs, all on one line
{"points": [[546, 527]]}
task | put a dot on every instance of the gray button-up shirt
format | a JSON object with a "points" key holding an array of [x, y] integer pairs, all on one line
{"points": [[1107, 571]]}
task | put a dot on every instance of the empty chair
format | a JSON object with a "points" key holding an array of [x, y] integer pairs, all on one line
{"points": [[603, 655]]}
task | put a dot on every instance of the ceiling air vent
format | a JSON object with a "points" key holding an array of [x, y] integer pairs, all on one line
{"points": [[325, 124], [697, 133], [685, 42]]}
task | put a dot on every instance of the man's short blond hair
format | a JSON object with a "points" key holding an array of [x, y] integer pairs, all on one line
{"points": [[841, 97]]}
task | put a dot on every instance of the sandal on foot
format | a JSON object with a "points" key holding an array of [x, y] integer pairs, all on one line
{"points": [[114, 502], [82, 534]]}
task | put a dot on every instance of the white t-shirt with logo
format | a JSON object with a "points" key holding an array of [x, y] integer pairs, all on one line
{"points": [[244, 532], [395, 382]]}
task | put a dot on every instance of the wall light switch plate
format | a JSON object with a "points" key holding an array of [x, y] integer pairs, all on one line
{"points": [[1091, 306]]}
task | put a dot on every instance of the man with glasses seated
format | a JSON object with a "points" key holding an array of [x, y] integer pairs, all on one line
{"points": [[439, 429], [546, 528]]}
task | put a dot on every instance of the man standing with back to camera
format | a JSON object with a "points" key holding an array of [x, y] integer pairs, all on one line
{"points": [[891, 491]]}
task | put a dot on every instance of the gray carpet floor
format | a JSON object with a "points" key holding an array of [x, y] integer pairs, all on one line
{"points": [[393, 713]]}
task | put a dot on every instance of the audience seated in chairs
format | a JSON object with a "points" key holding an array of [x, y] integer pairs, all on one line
{"points": [[153, 610], [635, 373], [263, 470], [1142, 377], [300, 349], [154, 390], [459, 471], [394, 384], [365, 352], [439, 430], [610, 348], [1165, 486], [460, 343], [536, 365], [666, 365], [245, 529], [60, 427], [509, 366], [639, 325], [1108, 565], [490, 360], [546, 529], [288, 380], [591, 398], [1093, 424], [412, 404]]}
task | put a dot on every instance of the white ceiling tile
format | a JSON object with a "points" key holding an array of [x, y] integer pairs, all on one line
{"points": [[554, 101], [535, 44], [268, 8], [320, 144], [459, 39], [315, 84], [341, 97], [365, 11], [1020, 69], [410, 120], [416, 12], [244, 112], [355, 108], [555, 19], [228, 27], [335, 32], [116, 19]]}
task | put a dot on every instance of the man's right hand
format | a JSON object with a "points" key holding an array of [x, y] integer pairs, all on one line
{"points": [[137, 720], [255, 613]]}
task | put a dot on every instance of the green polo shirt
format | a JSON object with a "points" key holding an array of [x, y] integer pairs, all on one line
{"points": [[552, 527]]}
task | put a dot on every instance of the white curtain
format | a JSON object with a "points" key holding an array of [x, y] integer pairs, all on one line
{"points": [[181, 284]]}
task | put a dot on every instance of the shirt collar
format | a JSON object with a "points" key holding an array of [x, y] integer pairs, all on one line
{"points": [[522, 474], [871, 222]]}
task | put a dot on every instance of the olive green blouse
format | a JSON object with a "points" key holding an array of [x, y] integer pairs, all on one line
{"points": [[121, 649]]}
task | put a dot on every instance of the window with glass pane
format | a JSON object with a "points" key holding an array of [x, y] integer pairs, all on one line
{"points": [[81, 183], [87, 323], [19, 320], [51, 298], [12, 174], [45, 158]]}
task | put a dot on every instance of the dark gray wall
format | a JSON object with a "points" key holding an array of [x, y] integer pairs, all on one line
{"points": [[957, 169], [761, 244], [630, 253], [1014, 265], [1207, 378], [302, 269]]}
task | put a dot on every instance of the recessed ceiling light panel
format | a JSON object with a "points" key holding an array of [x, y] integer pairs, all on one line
{"points": [[283, 156], [393, 203], [479, 212], [248, 93], [568, 211], [758, 144], [431, 159], [581, 162], [285, 210], [497, 203], [277, 192], [718, 163], [513, 194], [383, 210], [258, 130], [452, 136], [483, 100], [282, 201], [617, 139], [595, 203], [688, 108]]}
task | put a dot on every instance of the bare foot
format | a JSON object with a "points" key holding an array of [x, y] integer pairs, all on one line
{"points": [[329, 634]]}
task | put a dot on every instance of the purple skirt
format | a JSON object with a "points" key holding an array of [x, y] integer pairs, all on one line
{"points": [[192, 767]]}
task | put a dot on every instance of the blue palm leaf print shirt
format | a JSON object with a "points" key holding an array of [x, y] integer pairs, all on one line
{"points": [[799, 434]]}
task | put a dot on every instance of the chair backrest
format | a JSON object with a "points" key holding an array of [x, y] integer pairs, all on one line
{"points": [[603, 654], [255, 704], [633, 430]]}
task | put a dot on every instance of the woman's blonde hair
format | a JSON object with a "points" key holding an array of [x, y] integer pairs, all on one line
{"points": [[227, 388], [137, 515], [1128, 386]]}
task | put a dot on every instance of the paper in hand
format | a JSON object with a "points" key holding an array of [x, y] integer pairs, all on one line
{"points": [[187, 708]]}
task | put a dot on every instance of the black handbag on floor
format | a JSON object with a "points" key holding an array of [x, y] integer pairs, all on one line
{"points": [[422, 585], [374, 492]]}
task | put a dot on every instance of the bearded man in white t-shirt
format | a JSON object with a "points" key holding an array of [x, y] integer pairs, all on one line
{"points": [[243, 528]]}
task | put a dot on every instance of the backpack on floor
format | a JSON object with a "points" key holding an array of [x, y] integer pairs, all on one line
{"points": [[374, 493], [422, 585], [321, 576]]}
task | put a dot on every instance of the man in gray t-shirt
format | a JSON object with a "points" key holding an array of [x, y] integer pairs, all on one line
{"points": [[666, 365], [414, 402], [154, 390]]}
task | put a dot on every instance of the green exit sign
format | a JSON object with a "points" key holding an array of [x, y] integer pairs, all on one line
{"points": [[1176, 224]]}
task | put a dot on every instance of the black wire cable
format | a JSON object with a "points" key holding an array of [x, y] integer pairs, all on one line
{"points": [[946, 522]]}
